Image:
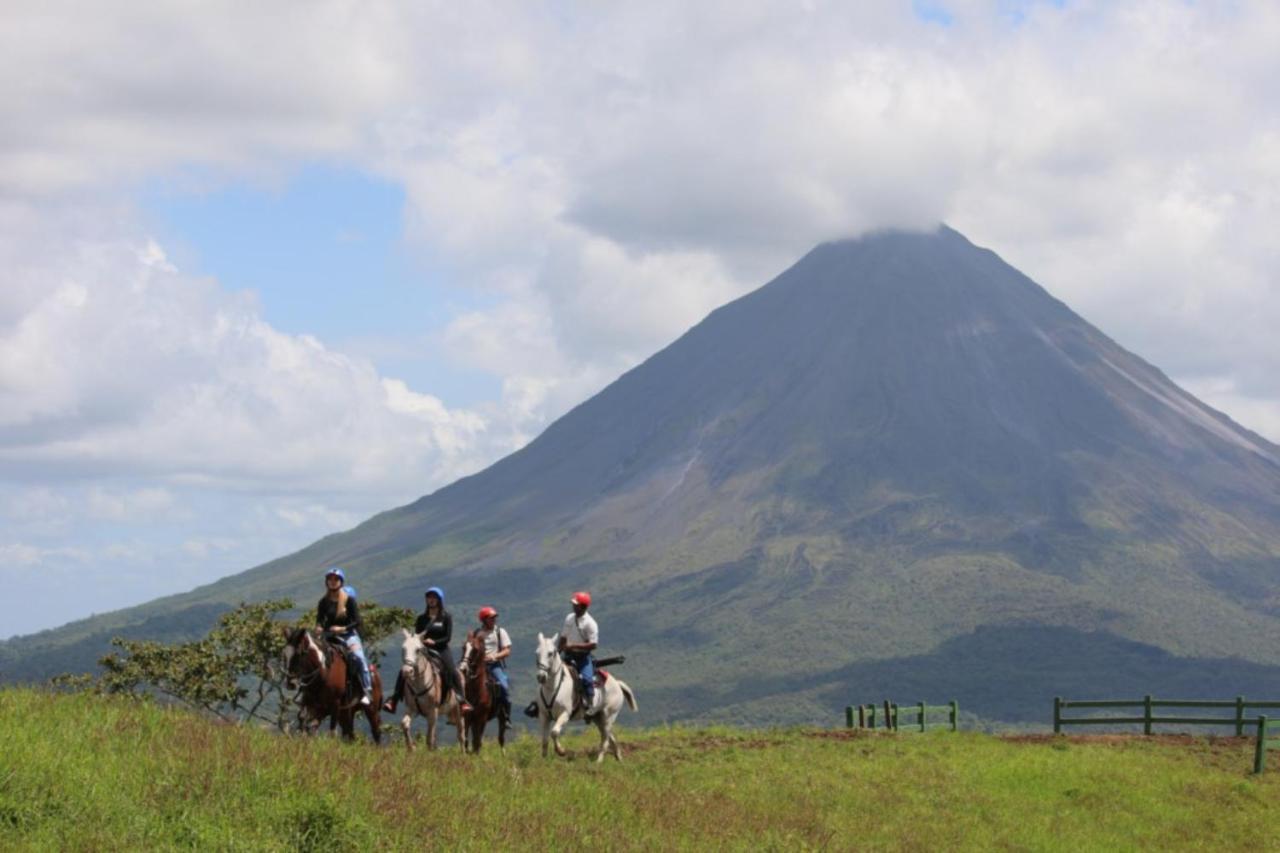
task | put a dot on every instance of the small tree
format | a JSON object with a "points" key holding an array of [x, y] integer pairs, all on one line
{"points": [[235, 673]]}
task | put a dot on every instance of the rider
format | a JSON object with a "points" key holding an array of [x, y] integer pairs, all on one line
{"points": [[338, 615], [435, 625], [577, 640], [497, 648]]}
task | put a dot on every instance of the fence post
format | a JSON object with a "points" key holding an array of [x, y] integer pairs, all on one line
{"points": [[1146, 714], [955, 716], [1057, 715], [922, 712], [871, 715], [889, 722], [1260, 748], [1239, 716], [848, 716], [894, 712]]}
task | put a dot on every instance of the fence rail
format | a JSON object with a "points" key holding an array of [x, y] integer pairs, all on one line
{"points": [[1149, 718], [916, 715]]}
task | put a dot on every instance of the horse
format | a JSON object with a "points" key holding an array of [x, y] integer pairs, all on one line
{"points": [[556, 681], [322, 686], [484, 701], [422, 688]]}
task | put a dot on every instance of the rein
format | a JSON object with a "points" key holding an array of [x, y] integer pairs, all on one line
{"points": [[418, 694], [547, 668]]}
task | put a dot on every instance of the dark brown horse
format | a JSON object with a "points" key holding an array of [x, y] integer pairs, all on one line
{"points": [[481, 694], [320, 676]]}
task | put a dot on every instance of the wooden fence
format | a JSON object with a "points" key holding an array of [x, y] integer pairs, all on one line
{"points": [[1148, 705], [916, 716], [1267, 737]]}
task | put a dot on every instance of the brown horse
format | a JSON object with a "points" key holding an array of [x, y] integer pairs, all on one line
{"points": [[321, 678], [481, 694]]}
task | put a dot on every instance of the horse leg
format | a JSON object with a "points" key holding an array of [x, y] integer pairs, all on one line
{"points": [[406, 722], [603, 725], [558, 727], [348, 723], [372, 714]]}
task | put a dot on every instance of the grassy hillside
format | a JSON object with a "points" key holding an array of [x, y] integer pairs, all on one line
{"points": [[80, 775]]}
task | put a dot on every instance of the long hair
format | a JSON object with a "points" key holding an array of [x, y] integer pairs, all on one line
{"points": [[342, 602]]}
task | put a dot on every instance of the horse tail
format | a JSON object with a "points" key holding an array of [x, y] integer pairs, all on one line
{"points": [[626, 692]]}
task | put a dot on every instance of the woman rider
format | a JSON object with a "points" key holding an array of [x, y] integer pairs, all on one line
{"points": [[339, 615], [435, 625]]}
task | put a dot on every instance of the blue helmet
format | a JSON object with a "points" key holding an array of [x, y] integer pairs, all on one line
{"points": [[334, 570], [439, 593]]}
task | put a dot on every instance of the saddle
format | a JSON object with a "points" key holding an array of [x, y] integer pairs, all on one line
{"points": [[437, 666], [334, 646]]}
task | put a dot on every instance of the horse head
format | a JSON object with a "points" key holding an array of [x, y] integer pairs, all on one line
{"points": [[548, 659], [299, 648], [410, 648]]}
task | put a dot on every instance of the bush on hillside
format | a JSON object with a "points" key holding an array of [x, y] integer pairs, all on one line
{"points": [[235, 673]]}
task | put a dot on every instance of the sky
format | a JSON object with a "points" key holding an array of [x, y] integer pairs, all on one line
{"points": [[268, 269]]}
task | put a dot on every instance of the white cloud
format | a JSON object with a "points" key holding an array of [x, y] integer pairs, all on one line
{"points": [[605, 174]]}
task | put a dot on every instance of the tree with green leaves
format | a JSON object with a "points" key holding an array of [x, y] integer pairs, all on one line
{"points": [[236, 672]]}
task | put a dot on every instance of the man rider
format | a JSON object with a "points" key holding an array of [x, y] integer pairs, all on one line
{"points": [[497, 648], [578, 638]]}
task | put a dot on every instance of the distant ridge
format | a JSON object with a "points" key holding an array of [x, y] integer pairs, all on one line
{"points": [[826, 486]]}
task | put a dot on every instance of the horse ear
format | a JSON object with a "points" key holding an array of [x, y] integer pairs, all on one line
{"points": [[405, 631], [541, 639], [284, 631]]}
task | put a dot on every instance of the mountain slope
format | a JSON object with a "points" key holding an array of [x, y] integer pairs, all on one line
{"points": [[898, 442]]}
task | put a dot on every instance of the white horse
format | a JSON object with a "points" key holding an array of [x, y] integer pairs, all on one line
{"points": [[422, 689], [556, 681]]}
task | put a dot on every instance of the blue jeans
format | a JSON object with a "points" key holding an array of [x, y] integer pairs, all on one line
{"points": [[356, 648], [499, 673], [586, 668]]}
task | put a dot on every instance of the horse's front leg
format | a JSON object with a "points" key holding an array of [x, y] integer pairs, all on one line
{"points": [[406, 723], [557, 728]]}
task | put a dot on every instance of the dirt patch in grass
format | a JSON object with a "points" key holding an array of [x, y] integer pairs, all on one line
{"points": [[1221, 742]]}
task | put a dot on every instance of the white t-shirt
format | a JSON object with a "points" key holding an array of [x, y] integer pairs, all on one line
{"points": [[580, 630], [491, 642]]}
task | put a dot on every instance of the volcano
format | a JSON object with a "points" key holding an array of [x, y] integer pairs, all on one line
{"points": [[901, 468]]}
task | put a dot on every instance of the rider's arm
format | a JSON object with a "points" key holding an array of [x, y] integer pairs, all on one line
{"points": [[353, 616], [503, 652]]}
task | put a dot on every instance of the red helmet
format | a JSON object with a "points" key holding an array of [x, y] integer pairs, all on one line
{"points": [[583, 598], [486, 612]]}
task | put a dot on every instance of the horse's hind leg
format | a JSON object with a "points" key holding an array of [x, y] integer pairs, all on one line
{"points": [[613, 740], [371, 714], [603, 726]]}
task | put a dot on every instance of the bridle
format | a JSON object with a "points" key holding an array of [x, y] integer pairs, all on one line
{"points": [[557, 668], [422, 654], [304, 680]]}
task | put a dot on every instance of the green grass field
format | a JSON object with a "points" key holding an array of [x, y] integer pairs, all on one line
{"points": [[82, 774]]}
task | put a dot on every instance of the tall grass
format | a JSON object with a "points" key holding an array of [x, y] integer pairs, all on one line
{"points": [[84, 774]]}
